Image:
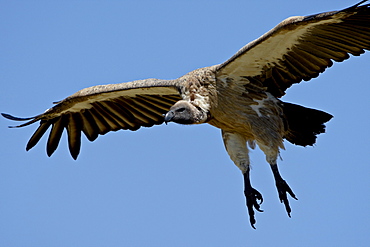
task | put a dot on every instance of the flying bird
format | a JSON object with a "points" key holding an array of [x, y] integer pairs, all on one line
{"points": [[240, 96]]}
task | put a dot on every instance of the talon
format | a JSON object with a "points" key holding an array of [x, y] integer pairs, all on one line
{"points": [[253, 200], [283, 188]]}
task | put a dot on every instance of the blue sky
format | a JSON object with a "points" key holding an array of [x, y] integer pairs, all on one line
{"points": [[169, 185]]}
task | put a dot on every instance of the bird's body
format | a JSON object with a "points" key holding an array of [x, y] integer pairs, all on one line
{"points": [[241, 96]]}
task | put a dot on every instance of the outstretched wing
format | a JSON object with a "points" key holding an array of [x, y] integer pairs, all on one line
{"points": [[299, 48], [100, 109]]}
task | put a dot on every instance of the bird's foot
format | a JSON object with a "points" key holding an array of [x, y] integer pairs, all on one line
{"points": [[254, 200], [283, 188]]}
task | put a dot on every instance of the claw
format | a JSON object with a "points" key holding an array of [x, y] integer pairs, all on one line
{"points": [[254, 200], [283, 188]]}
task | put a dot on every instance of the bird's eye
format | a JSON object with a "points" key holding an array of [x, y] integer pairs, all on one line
{"points": [[181, 109]]}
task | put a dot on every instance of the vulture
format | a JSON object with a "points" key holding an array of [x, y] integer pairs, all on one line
{"points": [[241, 97]]}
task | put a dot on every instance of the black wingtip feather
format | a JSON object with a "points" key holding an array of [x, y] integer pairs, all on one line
{"points": [[35, 138], [55, 135], [74, 128], [11, 117], [74, 156], [358, 4]]}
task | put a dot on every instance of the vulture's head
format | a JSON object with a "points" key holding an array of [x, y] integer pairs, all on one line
{"points": [[183, 112]]}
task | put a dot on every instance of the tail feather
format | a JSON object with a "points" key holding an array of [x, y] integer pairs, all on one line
{"points": [[304, 124]]}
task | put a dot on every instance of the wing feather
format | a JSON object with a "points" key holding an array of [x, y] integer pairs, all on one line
{"points": [[322, 52], [150, 107], [107, 119], [97, 110], [126, 114], [118, 114], [317, 60], [89, 126], [149, 112], [160, 103], [74, 128], [44, 126], [138, 114], [55, 134], [300, 48]]}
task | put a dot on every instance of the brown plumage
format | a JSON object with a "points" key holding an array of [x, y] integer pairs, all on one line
{"points": [[239, 96]]}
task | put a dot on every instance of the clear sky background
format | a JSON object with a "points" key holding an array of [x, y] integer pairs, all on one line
{"points": [[169, 185]]}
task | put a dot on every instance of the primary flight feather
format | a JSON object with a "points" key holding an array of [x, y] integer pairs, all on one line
{"points": [[239, 96]]}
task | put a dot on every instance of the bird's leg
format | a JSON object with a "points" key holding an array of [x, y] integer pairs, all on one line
{"points": [[235, 145], [282, 188], [252, 197]]}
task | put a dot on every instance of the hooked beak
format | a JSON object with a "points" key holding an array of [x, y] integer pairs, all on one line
{"points": [[168, 117]]}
